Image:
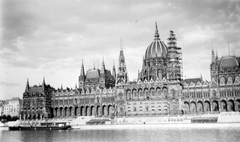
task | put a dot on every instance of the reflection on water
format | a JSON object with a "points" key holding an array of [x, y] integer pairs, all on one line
{"points": [[145, 134]]}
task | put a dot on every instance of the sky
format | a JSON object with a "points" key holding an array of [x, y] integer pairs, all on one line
{"points": [[42, 38]]}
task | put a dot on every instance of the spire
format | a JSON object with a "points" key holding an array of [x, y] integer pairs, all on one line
{"points": [[82, 70], [121, 76], [43, 84], [94, 65], [114, 71], [213, 57], [156, 36], [44, 80], [121, 48], [27, 86], [61, 87], [103, 67]]}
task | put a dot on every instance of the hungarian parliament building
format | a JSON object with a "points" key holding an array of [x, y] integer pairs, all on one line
{"points": [[159, 90]]}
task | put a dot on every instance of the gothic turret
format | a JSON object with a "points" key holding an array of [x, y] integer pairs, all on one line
{"points": [[213, 57], [82, 77], [27, 86], [103, 68], [114, 72], [122, 76], [43, 84]]}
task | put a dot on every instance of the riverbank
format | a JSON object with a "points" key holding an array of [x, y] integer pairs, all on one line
{"points": [[160, 126]]}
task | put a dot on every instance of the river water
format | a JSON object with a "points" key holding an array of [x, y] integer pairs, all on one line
{"points": [[137, 133]]}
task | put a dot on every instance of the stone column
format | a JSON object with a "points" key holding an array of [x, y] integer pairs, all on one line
{"points": [[73, 112], [63, 112], [54, 112], [220, 106], [236, 105], [211, 106]]}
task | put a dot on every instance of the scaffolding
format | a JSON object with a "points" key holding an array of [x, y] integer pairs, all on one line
{"points": [[174, 59]]}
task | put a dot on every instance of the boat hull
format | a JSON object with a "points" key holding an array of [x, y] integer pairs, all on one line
{"points": [[37, 128]]}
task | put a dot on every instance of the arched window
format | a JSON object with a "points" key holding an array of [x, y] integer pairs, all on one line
{"points": [[214, 93], [172, 93], [134, 109], [147, 108]]}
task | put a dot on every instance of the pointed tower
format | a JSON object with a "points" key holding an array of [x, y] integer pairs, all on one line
{"points": [[114, 72], [43, 84], [213, 57], [103, 68], [214, 67], [156, 35], [102, 79], [82, 77], [122, 76], [27, 86]]}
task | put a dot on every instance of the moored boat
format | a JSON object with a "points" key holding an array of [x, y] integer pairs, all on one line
{"points": [[43, 126]]}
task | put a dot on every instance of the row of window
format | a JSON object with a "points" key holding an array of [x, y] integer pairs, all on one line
{"points": [[147, 108], [82, 101]]}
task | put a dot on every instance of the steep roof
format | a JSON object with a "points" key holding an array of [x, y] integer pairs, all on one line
{"points": [[35, 89], [230, 61], [93, 73], [193, 80]]}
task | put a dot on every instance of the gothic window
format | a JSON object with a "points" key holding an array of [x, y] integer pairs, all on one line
{"points": [[146, 108], [120, 96], [214, 93], [153, 108], [153, 92], [165, 92], [172, 93], [134, 109], [141, 93]]}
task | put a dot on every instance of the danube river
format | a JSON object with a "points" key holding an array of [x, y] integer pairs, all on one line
{"points": [[131, 133]]}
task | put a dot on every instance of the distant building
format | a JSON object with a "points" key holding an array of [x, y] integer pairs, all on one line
{"points": [[158, 88], [12, 107], [220, 94], [37, 101], [1, 107], [94, 96], [158, 91]]}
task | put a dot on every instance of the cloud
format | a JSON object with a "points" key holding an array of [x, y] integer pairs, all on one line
{"points": [[51, 38], [7, 84]]}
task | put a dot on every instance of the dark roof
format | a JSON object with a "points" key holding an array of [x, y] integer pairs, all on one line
{"points": [[35, 89], [230, 61], [194, 80], [93, 73]]}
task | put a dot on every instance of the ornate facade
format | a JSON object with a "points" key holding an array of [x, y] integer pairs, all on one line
{"points": [[221, 94], [159, 90], [11, 107], [37, 101], [94, 96], [154, 93]]}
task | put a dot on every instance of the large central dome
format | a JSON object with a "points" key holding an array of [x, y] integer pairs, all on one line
{"points": [[157, 48]]}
